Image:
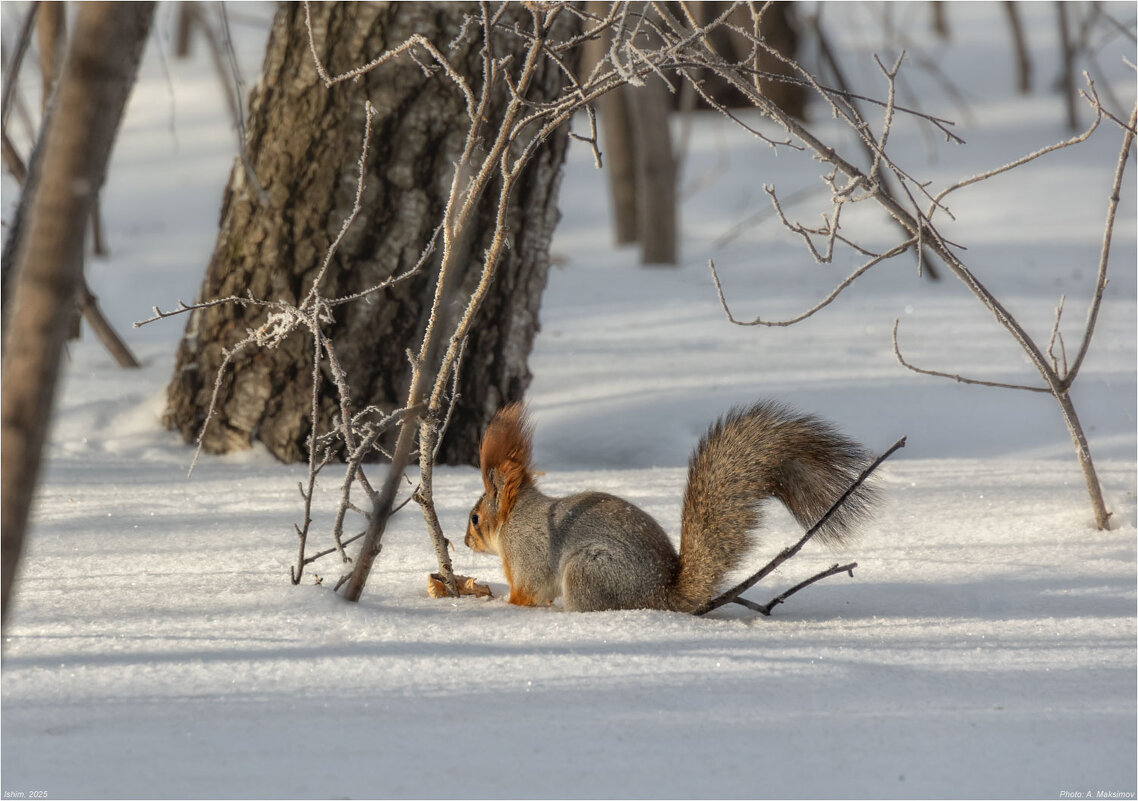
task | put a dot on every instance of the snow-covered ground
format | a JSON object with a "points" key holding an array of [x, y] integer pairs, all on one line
{"points": [[985, 647]]}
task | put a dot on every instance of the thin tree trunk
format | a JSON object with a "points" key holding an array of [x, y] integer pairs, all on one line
{"points": [[303, 142], [616, 137], [939, 19], [1019, 44], [641, 161], [656, 213], [183, 30], [91, 96], [620, 159], [1067, 75]]}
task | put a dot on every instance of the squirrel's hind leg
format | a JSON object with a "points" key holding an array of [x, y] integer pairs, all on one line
{"points": [[581, 591], [593, 579]]}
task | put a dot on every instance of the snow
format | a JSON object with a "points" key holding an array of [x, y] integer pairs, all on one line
{"points": [[984, 648]]}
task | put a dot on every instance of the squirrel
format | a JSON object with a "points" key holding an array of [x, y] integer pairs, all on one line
{"points": [[598, 551]]}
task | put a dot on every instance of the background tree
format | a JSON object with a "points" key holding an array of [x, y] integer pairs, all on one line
{"points": [[75, 147], [642, 160], [303, 144], [48, 21]]}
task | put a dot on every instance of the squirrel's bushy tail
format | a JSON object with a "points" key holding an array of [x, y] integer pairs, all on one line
{"points": [[747, 456]]}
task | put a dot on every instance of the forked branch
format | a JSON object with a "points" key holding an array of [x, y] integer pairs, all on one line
{"points": [[955, 377], [768, 607]]}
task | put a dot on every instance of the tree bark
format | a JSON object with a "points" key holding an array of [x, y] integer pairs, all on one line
{"points": [[77, 140], [303, 143]]}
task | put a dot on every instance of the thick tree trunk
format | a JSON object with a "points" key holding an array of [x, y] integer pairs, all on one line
{"points": [[304, 142], [75, 145]]}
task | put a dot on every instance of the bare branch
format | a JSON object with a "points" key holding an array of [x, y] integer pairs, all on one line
{"points": [[211, 411], [957, 378], [891, 76], [889, 254], [355, 472], [414, 269]]}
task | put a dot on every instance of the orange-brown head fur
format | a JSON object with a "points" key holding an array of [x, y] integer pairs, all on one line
{"points": [[506, 462]]}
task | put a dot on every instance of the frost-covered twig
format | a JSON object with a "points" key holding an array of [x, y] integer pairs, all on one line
{"points": [[1022, 160], [405, 47], [184, 307], [1057, 338], [357, 205]]}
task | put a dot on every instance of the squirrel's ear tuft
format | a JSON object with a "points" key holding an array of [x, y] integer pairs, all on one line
{"points": [[506, 456]]}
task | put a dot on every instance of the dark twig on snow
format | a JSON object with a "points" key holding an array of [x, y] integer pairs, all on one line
{"points": [[765, 609]]}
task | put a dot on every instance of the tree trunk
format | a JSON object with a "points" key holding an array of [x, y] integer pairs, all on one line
{"points": [[76, 145], [620, 159], [1019, 44], [304, 142], [656, 201]]}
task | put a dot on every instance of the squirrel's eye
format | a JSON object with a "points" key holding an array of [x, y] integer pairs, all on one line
{"points": [[474, 518]]}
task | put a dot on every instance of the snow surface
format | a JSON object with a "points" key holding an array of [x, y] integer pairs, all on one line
{"points": [[984, 648]]}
